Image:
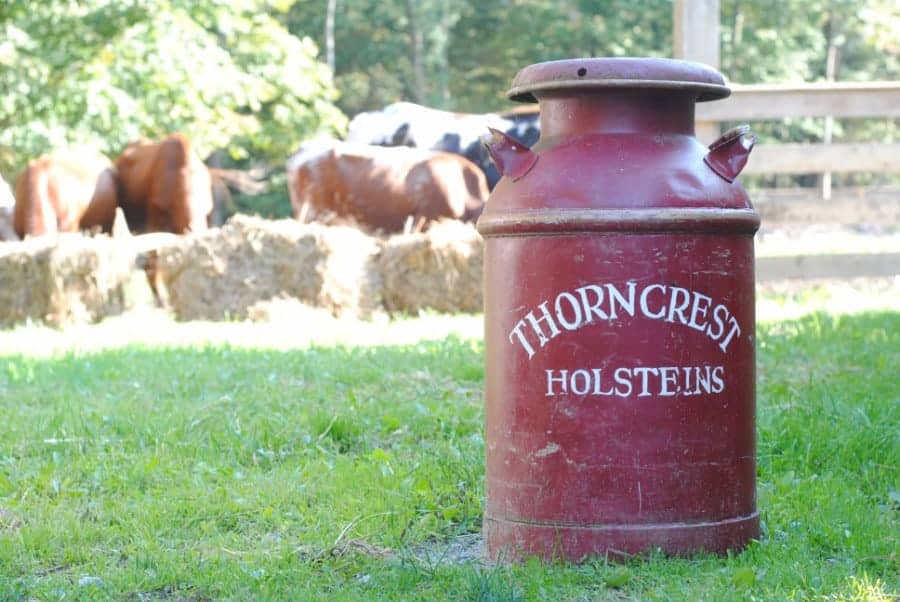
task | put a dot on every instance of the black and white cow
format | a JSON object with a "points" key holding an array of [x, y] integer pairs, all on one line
{"points": [[7, 204], [409, 124]]}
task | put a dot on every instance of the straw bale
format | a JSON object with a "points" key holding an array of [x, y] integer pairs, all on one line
{"points": [[222, 273], [66, 279], [438, 270]]}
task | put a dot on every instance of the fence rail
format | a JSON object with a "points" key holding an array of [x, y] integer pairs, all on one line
{"points": [[697, 37], [819, 158], [820, 99]]}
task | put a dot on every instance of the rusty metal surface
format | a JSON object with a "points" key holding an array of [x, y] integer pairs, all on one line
{"points": [[635, 73], [619, 324]]}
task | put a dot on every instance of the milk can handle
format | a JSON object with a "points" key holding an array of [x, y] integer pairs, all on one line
{"points": [[728, 155], [512, 158]]}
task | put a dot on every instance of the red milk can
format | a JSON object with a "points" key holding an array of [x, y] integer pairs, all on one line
{"points": [[619, 320]]}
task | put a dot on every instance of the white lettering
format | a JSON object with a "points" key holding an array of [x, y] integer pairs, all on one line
{"points": [[573, 383], [615, 296], [591, 310], [719, 319], [718, 375], [598, 380], [517, 331], [593, 303], [576, 309], [702, 382], [536, 324], [561, 379], [687, 381], [699, 310], [640, 381], [644, 307], [598, 377], [668, 376], [645, 385], [675, 307], [622, 377], [735, 329]]}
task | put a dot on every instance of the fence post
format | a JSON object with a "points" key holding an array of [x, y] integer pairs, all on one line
{"points": [[696, 38]]}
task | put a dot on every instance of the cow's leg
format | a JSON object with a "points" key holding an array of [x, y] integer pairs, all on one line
{"points": [[148, 261], [304, 212], [33, 213], [101, 211]]}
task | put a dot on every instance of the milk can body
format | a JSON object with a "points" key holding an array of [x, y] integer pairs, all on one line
{"points": [[619, 320]]}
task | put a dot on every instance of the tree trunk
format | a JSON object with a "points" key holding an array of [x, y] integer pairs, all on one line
{"points": [[416, 49], [831, 64], [331, 8], [445, 59]]}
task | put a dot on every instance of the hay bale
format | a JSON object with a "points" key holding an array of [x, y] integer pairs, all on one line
{"points": [[222, 273], [438, 270], [66, 279]]}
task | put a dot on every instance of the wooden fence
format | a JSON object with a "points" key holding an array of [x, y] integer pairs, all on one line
{"points": [[879, 206], [838, 100], [697, 37]]}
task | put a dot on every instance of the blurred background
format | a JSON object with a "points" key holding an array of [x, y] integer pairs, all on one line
{"points": [[248, 80]]}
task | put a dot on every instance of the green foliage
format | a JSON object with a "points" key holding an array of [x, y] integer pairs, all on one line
{"points": [[776, 41], [104, 72], [492, 41], [244, 75], [772, 41], [274, 203], [472, 49]]}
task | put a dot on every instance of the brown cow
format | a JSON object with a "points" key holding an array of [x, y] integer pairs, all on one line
{"points": [[163, 186], [383, 187], [65, 192]]}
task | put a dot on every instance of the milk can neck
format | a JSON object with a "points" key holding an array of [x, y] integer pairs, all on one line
{"points": [[636, 111]]}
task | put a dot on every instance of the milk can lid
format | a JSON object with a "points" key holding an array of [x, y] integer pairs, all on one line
{"points": [[596, 73]]}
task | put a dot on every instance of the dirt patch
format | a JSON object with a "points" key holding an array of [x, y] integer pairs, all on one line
{"points": [[222, 273], [462, 549], [65, 279], [438, 270]]}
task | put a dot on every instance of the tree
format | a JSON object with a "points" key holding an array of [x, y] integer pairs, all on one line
{"points": [[492, 41], [104, 72], [462, 54]]}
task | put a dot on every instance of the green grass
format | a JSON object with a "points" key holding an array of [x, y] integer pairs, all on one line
{"points": [[218, 472]]}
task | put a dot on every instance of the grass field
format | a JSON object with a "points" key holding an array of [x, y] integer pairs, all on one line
{"points": [[255, 462]]}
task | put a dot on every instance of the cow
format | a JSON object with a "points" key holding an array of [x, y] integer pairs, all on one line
{"points": [[65, 192], [382, 188], [163, 186], [410, 124], [7, 205]]}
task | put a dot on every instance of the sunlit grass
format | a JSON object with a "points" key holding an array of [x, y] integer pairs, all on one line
{"points": [[281, 462], [298, 327]]}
